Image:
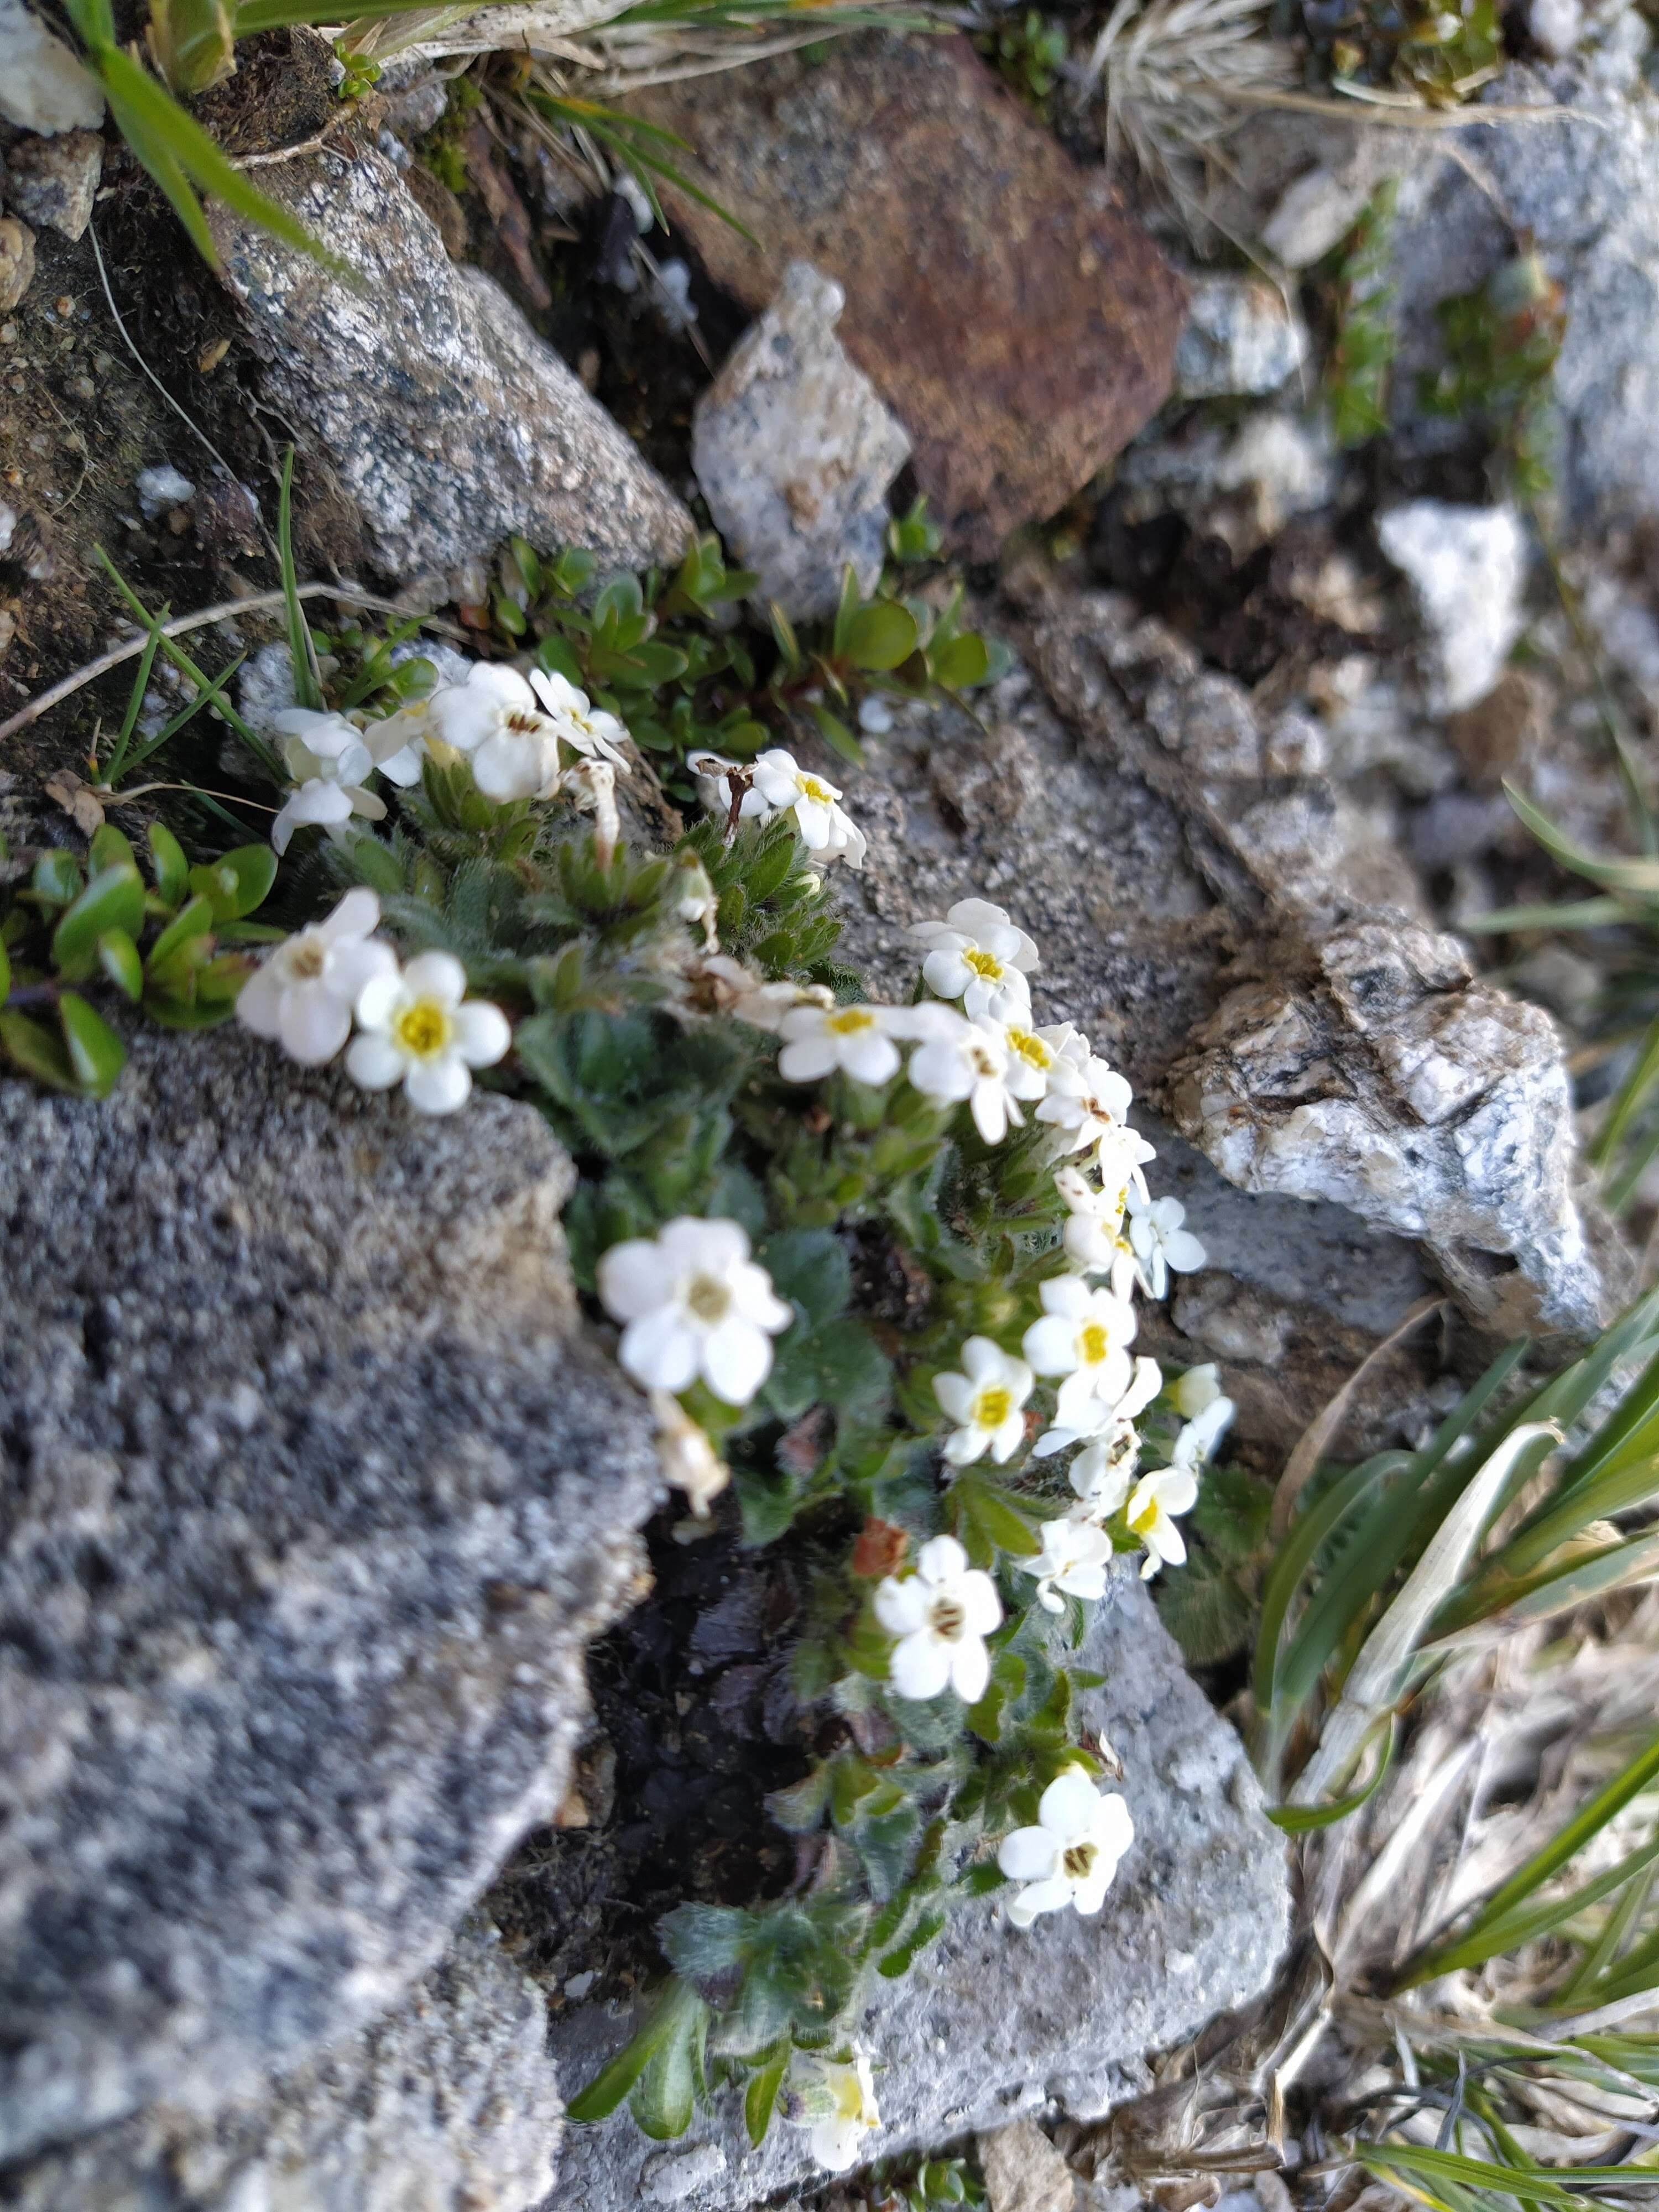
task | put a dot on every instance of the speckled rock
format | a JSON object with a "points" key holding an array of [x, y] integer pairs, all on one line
{"points": [[450, 423], [315, 1491], [54, 181], [1240, 339], [795, 451], [447, 2103], [42, 85], [991, 2024], [1466, 566]]}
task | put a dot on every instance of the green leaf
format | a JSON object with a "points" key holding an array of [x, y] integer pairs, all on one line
{"points": [[114, 899], [118, 956], [760, 2097], [836, 734], [34, 1049], [96, 1053], [995, 1515], [901, 1961], [5, 973], [193, 920], [810, 1266], [56, 880], [881, 636], [664, 2096], [236, 884], [302, 657], [168, 864], [961, 664], [613, 2081], [109, 847]]}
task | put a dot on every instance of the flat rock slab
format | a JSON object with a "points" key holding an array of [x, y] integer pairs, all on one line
{"points": [[1019, 326], [448, 2101], [991, 2024], [451, 423], [312, 1490]]}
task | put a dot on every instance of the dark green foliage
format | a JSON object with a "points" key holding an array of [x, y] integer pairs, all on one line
{"points": [[1363, 343], [1501, 344]]}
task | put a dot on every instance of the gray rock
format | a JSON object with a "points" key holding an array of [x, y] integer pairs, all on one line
{"points": [[16, 261], [1315, 210], [794, 450], [55, 180], [42, 86], [1023, 2171], [1467, 567], [448, 2101], [317, 1489], [450, 423], [990, 2023], [161, 488], [1240, 339]]}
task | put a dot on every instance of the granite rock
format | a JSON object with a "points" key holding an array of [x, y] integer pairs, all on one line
{"points": [[1466, 567], [1240, 339], [448, 2101], [1017, 323], [54, 180], [316, 1489], [42, 85], [990, 2025], [449, 421], [794, 452]]}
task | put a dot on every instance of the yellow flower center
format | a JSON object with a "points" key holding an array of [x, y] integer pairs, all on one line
{"points": [[1078, 1858], [992, 1408], [811, 789], [849, 2095], [850, 1020], [425, 1029], [1030, 1047], [306, 958], [983, 964], [1093, 1343], [1146, 1519], [708, 1298]]}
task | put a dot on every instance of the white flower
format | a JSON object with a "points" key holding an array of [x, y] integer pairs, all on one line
{"points": [[1086, 1100], [1071, 1855], [1101, 1473], [1160, 1243], [1196, 1442], [689, 1461], [858, 1040], [977, 955], [1120, 1155], [698, 904], [780, 785], [941, 1615], [1198, 1387], [420, 1028], [326, 757], [1093, 1236], [986, 1402], [1084, 1335], [584, 728], [839, 2109], [693, 1303], [398, 743], [304, 993], [1073, 1560], [496, 717], [591, 785], [1032, 1059], [1153, 1502], [959, 1060]]}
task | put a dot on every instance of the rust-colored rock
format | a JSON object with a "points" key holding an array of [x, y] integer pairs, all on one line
{"points": [[1019, 325]]}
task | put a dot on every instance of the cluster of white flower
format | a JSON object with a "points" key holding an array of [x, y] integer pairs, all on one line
{"points": [[530, 736], [775, 783], [415, 1025]]}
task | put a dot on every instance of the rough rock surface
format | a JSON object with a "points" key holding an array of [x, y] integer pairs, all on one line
{"points": [[450, 423], [794, 452], [55, 180], [316, 1490], [42, 86], [1023, 2171], [1466, 566], [1018, 324], [990, 2025], [1240, 339], [16, 261], [449, 2101]]}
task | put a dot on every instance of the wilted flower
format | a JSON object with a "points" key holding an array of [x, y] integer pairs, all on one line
{"points": [[959, 1060], [977, 955], [780, 785], [592, 785], [1153, 1503], [420, 1028], [941, 1614], [1072, 1562], [858, 1040], [586, 728], [688, 1460], [304, 993], [1084, 1335], [1160, 1243], [1071, 1855], [985, 1401], [326, 757], [693, 1303], [698, 903]]}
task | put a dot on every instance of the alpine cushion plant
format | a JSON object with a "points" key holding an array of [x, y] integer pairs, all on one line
{"points": [[958, 1487]]}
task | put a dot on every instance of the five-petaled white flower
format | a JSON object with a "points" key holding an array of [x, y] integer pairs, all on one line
{"points": [[858, 1040], [326, 757], [1160, 1243], [1084, 1335], [959, 1060], [780, 785], [977, 955], [1153, 1502], [838, 2106], [496, 718], [1101, 1473], [421, 1029], [986, 1402], [304, 993], [1086, 1100], [1032, 1059], [693, 1304], [941, 1615], [1073, 1561], [586, 728], [1071, 1855]]}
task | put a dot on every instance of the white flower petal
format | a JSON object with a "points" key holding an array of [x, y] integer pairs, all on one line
{"points": [[436, 975], [970, 1670], [900, 1607], [315, 1022], [374, 1063], [441, 1086], [1028, 1854], [736, 1358], [921, 1665], [658, 1352], [1042, 1897], [1070, 1805], [942, 1559], [482, 1033]]}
